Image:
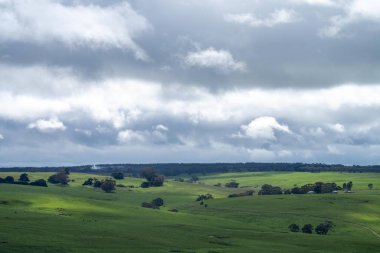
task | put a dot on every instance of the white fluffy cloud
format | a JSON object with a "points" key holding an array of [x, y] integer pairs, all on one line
{"points": [[212, 58], [354, 11], [264, 128], [48, 125], [1, 137], [316, 2], [49, 21], [129, 135], [275, 18]]}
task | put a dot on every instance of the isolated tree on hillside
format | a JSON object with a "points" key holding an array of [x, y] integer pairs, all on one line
{"points": [[370, 186], [294, 228], [117, 175], [108, 185], [24, 177], [152, 177], [307, 228], [59, 178], [349, 186]]}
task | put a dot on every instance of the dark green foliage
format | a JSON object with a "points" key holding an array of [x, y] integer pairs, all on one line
{"points": [[318, 187], [145, 185], [39, 182], [117, 175], [347, 186], [173, 210], [158, 202], [370, 186], [59, 178], [108, 185], [8, 180], [23, 178], [294, 228], [155, 204], [218, 184], [204, 197], [194, 178], [307, 229], [268, 189], [232, 184], [242, 194], [152, 177], [66, 171], [97, 183], [324, 228], [89, 181]]}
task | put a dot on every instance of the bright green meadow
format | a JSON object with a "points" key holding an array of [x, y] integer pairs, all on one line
{"points": [[82, 219]]}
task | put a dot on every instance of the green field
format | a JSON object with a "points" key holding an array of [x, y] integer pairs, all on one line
{"points": [[83, 219]]}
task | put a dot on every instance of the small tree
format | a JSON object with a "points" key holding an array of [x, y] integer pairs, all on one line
{"points": [[158, 202], [108, 185], [349, 186], [9, 180], [370, 186], [117, 175], [39, 182], [232, 184], [23, 178], [307, 228], [89, 181], [152, 177], [59, 178], [324, 228], [294, 228], [66, 171]]}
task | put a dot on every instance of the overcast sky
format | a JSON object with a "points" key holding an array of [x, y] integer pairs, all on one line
{"points": [[141, 81]]}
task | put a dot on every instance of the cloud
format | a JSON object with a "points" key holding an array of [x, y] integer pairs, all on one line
{"points": [[1, 137], [355, 11], [263, 128], [329, 3], [49, 125], [212, 58], [76, 25], [129, 135], [275, 18], [337, 127]]}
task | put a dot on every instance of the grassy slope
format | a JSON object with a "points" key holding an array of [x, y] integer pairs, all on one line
{"points": [[82, 219]]}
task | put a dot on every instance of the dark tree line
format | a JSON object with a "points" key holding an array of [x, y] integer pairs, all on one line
{"points": [[174, 169], [24, 180], [321, 229]]}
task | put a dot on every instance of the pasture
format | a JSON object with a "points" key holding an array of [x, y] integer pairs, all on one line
{"points": [[75, 218]]}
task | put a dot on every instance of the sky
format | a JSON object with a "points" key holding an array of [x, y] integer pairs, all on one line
{"points": [[141, 81]]}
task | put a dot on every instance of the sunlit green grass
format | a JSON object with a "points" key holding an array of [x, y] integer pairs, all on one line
{"points": [[83, 219]]}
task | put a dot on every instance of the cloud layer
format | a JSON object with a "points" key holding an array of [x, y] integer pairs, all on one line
{"points": [[94, 81]]}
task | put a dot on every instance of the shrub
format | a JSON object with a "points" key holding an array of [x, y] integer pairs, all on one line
{"points": [[117, 175], [23, 178], [152, 177], [307, 228], [268, 189], [145, 185], [232, 184], [294, 228], [158, 202], [89, 181], [148, 205], [173, 210], [242, 194], [59, 178], [324, 228], [108, 185], [9, 180], [204, 197], [39, 182]]}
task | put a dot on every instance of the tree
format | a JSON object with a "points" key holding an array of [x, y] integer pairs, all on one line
{"points": [[232, 184], [9, 180], [66, 171], [294, 228], [324, 228], [370, 186], [108, 185], [349, 186], [117, 175], [39, 182], [158, 202], [89, 181], [23, 178], [97, 183], [152, 177], [307, 228], [59, 178]]}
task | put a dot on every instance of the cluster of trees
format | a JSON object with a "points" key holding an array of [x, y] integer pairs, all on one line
{"points": [[24, 180], [117, 175], [321, 229], [108, 185], [318, 187], [155, 203], [59, 178], [242, 194], [153, 179], [204, 197], [268, 189], [232, 184], [347, 187]]}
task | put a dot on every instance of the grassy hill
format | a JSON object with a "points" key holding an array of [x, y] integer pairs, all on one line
{"points": [[84, 219]]}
